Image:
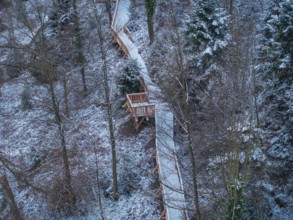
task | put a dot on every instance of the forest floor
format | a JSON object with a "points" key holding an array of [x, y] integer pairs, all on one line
{"points": [[28, 135], [30, 139]]}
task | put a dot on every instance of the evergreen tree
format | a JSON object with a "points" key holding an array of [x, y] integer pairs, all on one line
{"points": [[275, 61], [129, 79], [150, 6], [206, 31], [276, 42]]}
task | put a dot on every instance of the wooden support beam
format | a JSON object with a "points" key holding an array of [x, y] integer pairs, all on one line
{"points": [[154, 155], [163, 215], [156, 170], [159, 191], [136, 125], [153, 133]]}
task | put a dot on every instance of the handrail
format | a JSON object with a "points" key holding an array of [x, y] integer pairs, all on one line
{"points": [[115, 14], [140, 110], [146, 110], [123, 46], [125, 30], [138, 97]]}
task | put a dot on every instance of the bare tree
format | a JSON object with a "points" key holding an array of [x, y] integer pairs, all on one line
{"points": [[79, 46], [179, 98], [108, 103], [60, 124], [108, 9], [8, 192], [45, 68]]}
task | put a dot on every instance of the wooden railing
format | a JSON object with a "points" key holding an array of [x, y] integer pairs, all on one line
{"points": [[138, 106], [122, 45], [137, 97], [127, 32], [113, 30], [141, 111], [146, 110], [115, 15]]}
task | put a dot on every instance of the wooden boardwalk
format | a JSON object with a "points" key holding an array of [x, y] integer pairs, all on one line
{"points": [[168, 168], [142, 105]]}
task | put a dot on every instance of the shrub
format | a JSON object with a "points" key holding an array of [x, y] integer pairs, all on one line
{"points": [[14, 64], [129, 78], [26, 99]]}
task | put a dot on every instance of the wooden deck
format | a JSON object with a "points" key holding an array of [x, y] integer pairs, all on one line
{"points": [[138, 106]]}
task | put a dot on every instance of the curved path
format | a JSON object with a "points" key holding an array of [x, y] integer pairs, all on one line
{"points": [[120, 19], [167, 165]]}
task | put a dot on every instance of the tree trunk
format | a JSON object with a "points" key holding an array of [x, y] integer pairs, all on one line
{"points": [[9, 193], [65, 96], [108, 8], [151, 29], [20, 176], [79, 47], [194, 176], [255, 99], [99, 185], [185, 109], [67, 175], [109, 107]]}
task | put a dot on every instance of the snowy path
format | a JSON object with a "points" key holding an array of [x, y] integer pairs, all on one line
{"points": [[168, 166], [169, 173], [121, 19]]}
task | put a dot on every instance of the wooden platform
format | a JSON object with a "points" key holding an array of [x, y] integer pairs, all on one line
{"points": [[138, 106]]}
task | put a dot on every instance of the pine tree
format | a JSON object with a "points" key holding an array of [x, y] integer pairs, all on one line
{"points": [[150, 6], [276, 42], [129, 79], [275, 61], [206, 31]]}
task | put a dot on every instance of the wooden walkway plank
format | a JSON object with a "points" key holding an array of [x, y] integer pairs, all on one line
{"points": [[170, 176]]}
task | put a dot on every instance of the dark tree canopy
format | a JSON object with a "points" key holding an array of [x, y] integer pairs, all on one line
{"points": [[276, 42]]}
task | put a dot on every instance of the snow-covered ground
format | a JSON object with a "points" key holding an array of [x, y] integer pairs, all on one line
{"points": [[30, 135], [27, 134]]}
